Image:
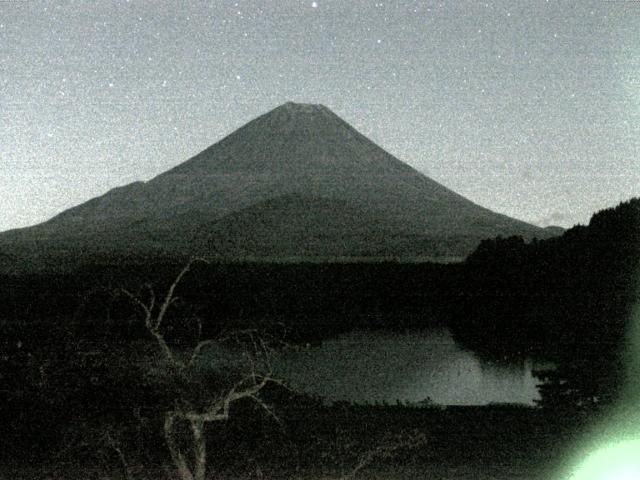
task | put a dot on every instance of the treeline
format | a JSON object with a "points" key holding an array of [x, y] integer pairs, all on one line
{"points": [[68, 342], [313, 300], [73, 347], [568, 299]]}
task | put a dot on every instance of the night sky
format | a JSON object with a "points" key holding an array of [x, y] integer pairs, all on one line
{"points": [[530, 108]]}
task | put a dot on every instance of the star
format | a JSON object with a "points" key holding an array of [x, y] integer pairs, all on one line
{"points": [[203, 46]]}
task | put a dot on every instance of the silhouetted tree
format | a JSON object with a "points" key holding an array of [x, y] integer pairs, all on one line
{"points": [[204, 381], [565, 299]]}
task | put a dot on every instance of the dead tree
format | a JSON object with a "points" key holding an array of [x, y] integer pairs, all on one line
{"points": [[387, 449], [253, 373]]}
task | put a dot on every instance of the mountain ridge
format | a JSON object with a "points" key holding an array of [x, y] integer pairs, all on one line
{"points": [[296, 151]]}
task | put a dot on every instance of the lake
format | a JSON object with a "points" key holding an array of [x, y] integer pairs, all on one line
{"points": [[378, 367]]}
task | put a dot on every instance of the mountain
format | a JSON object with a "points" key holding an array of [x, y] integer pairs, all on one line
{"points": [[296, 182], [555, 230]]}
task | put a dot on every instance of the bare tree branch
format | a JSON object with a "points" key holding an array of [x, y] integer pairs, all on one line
{"points": [[198, 350], [174, 450], [386, 449], [169, 298], [256, 350], [266, 408], [153, 324], [139, 302], [115, 446]]}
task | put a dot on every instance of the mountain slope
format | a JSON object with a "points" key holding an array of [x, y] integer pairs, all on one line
{"points": [[298, 167]]}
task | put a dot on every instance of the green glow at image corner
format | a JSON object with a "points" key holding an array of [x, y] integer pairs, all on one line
{"points": [[619, 461]]}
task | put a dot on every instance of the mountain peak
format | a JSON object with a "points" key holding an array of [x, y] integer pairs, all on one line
{"points": [[296, 166], [300, 111], [304, 107]]}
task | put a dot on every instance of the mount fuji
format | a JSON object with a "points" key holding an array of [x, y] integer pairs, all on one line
{"points": [[297, 183]]}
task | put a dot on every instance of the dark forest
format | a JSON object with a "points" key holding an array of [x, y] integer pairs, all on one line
{"points": [[71, 343]]}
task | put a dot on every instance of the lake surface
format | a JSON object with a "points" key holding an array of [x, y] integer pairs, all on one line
{"points": [[370, 367]]}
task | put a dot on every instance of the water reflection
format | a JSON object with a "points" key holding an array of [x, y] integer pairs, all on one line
{"points": [[380, 367]]}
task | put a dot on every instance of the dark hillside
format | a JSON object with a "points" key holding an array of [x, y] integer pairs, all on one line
{"points": [[70, 343], [568, 298]]}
